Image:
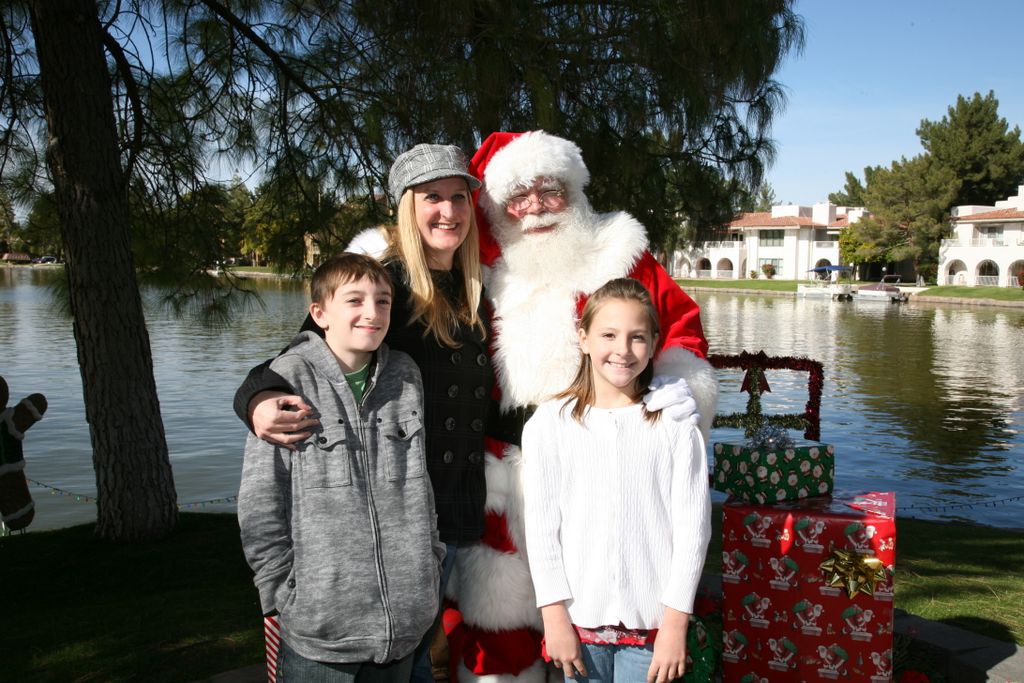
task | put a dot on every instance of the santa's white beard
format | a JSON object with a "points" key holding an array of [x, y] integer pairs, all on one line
{"points": [[546, 256]]}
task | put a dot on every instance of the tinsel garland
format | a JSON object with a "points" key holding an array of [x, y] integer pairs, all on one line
{"points": [[753, 419]]}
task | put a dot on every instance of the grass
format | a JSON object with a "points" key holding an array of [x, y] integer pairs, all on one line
{"points": [[762, 285], [759, 284], [996, 293], [81, 610], [185, 608]]}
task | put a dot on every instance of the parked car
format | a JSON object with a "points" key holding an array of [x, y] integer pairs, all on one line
{"points": [[45, 259]]}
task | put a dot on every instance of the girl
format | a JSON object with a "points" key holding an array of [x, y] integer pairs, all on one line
{"points": [[617, 508]]}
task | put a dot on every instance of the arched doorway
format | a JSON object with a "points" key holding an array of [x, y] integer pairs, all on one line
{"points": [[1016, 272], [988, 274], [724, 269], [682, 267], [956, 273], [703, 268]]}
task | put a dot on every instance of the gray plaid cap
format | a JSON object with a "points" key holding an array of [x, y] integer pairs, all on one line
{"points": [[424, 163]]}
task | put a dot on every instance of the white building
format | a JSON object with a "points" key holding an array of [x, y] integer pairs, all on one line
{"points": [[792, 238], [987, 247]]}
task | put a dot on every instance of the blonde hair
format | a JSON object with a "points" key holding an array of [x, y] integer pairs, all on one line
{"points": [[439, 318], [582, 387]]}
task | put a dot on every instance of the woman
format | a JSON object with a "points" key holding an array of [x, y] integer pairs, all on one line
{"points": [[438, 318]]}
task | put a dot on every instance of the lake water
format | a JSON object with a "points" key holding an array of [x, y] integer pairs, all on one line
{"points": [[925, 400]]}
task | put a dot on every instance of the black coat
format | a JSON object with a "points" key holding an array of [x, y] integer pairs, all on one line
{"points": [[457, 385]]}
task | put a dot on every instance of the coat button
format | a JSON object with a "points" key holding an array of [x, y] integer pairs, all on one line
{"points": [[456, 358], [453, 391], [477, 425], [322, 439], [480, 392], [401, 433], [449, 424], [448, 457], [481, 359], [291, 583], [340, 421], [474, 458]]}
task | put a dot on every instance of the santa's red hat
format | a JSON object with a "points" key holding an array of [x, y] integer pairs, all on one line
{"points": [[507, 162]]}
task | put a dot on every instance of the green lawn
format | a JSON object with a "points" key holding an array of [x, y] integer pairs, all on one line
{"points": [[185, 608], [997, 293], [759, 284]]}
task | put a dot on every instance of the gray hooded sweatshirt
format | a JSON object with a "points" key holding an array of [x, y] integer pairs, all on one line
{"points": [[342, 534]]}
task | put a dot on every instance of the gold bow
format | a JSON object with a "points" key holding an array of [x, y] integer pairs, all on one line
{"points": [[852, 571]]}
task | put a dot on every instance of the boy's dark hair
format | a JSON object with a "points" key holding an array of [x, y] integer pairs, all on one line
{"points": [[345, 267]]}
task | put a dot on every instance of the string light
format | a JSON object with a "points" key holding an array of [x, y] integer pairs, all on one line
{"points": [[82, 498]]}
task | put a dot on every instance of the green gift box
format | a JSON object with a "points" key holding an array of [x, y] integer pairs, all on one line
{"points": [[760, 475]]}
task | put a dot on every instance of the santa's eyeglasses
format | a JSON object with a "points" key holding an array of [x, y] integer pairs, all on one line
{"points": [[552, 200]]}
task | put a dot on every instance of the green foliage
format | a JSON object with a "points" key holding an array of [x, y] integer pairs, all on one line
{"points": [[760, 199], [10, 231], [853, 190], [768, 269], [910, 205], [670, 102], [978, 147], [41, 232]]}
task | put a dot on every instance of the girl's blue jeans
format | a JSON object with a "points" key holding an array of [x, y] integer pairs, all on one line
{"points": [[615, 663]]}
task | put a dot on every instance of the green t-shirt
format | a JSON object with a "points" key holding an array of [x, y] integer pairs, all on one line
{"points": [[357, 381]]}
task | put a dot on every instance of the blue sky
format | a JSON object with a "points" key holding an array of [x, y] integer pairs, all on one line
{"points": [[871, 70]]}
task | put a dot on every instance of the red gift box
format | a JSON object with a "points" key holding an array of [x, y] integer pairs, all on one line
{"points": [[784, 617]]}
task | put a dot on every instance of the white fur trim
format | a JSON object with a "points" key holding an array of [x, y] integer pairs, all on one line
{"points": [[370, 242], [505, 493], [699, 375], [534, 155], [501, 478], [537, 672], [495, 589]]}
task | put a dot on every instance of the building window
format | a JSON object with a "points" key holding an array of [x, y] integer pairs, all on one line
{"points": [[993, 233], [776, 262], [772, 238]]}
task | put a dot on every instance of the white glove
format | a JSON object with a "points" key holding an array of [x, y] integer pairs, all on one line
{"points": [[672, 396]]}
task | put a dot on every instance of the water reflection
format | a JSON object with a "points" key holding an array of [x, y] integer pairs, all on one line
{"points": [[920, 399]]}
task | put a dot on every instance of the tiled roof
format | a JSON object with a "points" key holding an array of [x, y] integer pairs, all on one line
{"points": [[763, 219], [998, 214]]}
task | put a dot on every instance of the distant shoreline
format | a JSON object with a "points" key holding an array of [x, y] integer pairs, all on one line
{"points": [[915, 297]]}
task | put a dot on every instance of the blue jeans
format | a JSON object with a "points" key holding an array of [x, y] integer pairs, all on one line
{"points": [[615, 663], [294, 668], [422, 671]]}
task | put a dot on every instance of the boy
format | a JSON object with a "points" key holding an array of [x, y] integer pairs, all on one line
{"points": [[342, 533]]}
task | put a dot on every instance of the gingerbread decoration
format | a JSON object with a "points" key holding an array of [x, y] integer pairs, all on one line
{"points": [[16, 503]]}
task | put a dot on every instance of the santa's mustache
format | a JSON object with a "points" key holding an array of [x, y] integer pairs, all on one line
{"points": [[535, 222]]}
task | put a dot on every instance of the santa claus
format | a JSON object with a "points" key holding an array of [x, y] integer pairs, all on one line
{"points": [[545, 250]]}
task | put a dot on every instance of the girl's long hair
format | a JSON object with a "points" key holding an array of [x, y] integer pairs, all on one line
{"points": [[439, 318], [582, 387]]}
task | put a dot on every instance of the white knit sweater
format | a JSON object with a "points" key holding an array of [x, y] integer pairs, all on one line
{"points": [[618, 514]]}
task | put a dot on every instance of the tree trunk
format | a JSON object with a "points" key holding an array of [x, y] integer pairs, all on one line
{"points": [[135, 486]]}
